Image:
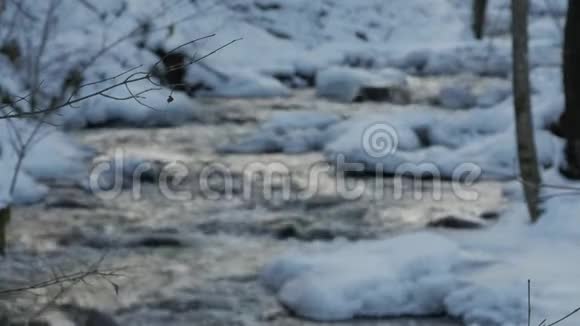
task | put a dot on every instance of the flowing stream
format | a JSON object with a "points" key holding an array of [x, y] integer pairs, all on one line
{"points": [[196, 261]]}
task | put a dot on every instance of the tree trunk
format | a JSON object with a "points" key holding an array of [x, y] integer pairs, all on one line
{"points": [[569, 124], [478, 18], [4, 219], [528, 160]]}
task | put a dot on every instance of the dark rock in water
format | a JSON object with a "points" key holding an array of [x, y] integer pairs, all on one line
{"points": [[297, 231], [322, 202], [4, 321], [391, 94], [278, 33], [305, 230], [87, 316], [267, 6], [72, 199], [454, 222], [361, 36], [489, 215], [345, 84], [315, 227], [156, 241], [98, 240]]}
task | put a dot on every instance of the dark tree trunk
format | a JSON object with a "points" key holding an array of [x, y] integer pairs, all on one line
{"points": [[569, 124], [523, 109], [4, 219], [478, 18]]}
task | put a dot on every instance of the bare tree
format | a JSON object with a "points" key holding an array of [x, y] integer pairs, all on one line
{"points": [[528, 160], [478, 18]]}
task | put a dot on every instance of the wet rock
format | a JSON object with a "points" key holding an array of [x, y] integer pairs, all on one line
{"points": [[267, 5], [320, 202], [103, 240], [72, 199], [301, 231], [489, 215], [454, 222], [316, 229], [396, 95], [156, 241], [319, 227], [8, 321]]}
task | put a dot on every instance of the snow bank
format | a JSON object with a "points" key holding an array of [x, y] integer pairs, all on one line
{"points": [[52, 156], [492, 157], [153, 110], [368, 279], [282, 42], [422, 139], [479, 276]]}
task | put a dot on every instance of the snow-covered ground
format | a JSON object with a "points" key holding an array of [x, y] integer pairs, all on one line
{"points": [[478, 276]]}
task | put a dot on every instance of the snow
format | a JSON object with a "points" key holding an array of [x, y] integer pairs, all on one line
{"points": [[154, 110], [478, 276], [51, 156], [423, 138], [367, 279], [346, 84], [250, 85]]}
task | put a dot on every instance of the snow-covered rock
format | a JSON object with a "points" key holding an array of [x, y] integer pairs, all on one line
{"points": [[249, 85], [351, 84], [407, 275]]}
